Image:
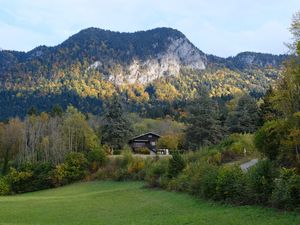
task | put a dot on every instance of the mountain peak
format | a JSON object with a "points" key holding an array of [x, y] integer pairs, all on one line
{"points": [[165, 49]]}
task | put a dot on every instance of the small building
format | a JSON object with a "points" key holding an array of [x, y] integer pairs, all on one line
{"points": [[147, 140]]}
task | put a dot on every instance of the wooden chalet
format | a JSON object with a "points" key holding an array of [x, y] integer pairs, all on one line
{"points": [[147, 140]]}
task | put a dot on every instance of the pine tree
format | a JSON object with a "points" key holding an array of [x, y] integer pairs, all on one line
{"points": [[117, 128], [268, 112], [245, 117], [204, 125], [176, 164]]}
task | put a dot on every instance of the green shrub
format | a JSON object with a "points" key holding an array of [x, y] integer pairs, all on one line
{"points": [[176, 164], [180, 183], [233, 147], [230, 184], [76, 165], [20, 181], [107, 149], [73, 169], [30, 177], [143, 151], [117, 152], [156, 173], [106, 172], [268, 138], [286, 194], [229, 156], [260, 182], [59, 175], [203, 180], [121, 165], [215, 159], [96, 158], [136, 168], [127, 158], [4, 186], [129, 167]]}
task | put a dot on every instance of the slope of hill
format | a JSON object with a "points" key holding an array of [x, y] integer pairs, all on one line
{"points": [[159, 64]]}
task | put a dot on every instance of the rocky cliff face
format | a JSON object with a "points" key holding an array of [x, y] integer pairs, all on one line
{"points": [[179, 54]]}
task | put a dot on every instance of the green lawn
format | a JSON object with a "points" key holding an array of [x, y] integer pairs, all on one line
{"points": [[123, 203]]}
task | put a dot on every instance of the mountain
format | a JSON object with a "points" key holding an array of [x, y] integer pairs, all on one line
{"points": [[144, 55], [154, 65]]}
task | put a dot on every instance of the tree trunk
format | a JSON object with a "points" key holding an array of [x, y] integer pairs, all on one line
{"points": [[297, 153]]}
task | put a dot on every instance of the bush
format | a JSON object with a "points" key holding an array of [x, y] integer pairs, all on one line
{"points": [[76, 165], [136, 165], [232, 148], [176, 164], [4, 186], [215, 159], [73, 169], [59, 175], [144, 151], [156, 173], [117, 152], [229, 156], [128, 167], [206, 185], [96, 158], [230, 185], [260, 182], [30, 177], [20, 181], [286, 194], [107, 149], [268, 138], [181, 182]]}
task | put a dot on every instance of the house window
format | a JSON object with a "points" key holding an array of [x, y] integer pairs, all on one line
{"points": [[139, 145], [152, 143], [150, 135]]}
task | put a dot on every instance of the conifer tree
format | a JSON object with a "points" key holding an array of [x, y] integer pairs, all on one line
{"points": [[245, 117], [204, 125], [117, 127]]}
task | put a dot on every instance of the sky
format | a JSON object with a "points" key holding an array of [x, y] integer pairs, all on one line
{"points": [[219, 27]]}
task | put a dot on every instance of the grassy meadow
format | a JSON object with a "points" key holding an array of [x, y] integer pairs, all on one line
{"points": [[123, 203]]}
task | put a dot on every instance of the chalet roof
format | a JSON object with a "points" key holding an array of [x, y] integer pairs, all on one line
{"points": [[149, 133]]}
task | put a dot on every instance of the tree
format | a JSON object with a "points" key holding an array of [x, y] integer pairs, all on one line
{"points": [[291, 143], [78, 134], [245, 116], [295, 30], [56, 111], [171, 141], [204, 125], [11, 140], [117, 128], [286, 97], [268, 112], [176, 164], [268, 138]]}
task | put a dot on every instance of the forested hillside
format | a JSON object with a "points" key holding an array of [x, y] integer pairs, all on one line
{"points": [[149, 69]]}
